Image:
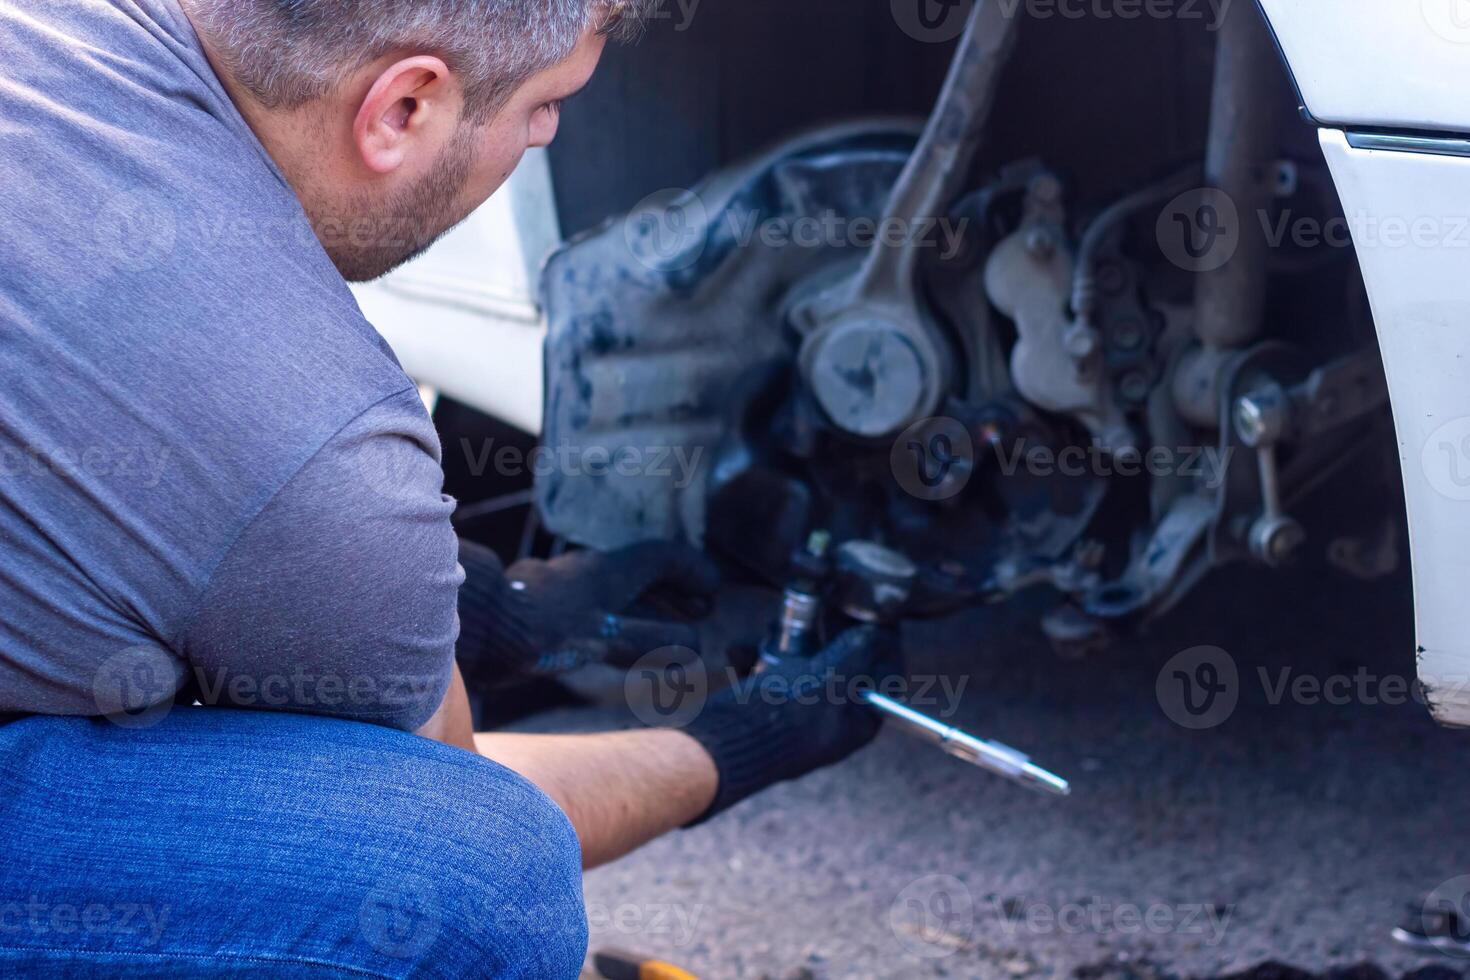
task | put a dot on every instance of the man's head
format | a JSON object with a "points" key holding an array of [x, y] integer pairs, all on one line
{"points": [[394, 119]]}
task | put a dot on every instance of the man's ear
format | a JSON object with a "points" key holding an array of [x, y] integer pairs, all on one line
{"points": [[413, 105]]}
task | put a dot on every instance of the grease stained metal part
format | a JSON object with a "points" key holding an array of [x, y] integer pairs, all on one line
{"points": [[659, 343], [1042, 404]]}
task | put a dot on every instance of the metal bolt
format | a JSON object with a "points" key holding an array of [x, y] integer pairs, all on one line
{"points": [[1260, 417], [1274, 539], [1081, 342]]}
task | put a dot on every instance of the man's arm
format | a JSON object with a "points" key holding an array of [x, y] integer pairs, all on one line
{"points": [[619, 789], [622, 789], [339, 597]]}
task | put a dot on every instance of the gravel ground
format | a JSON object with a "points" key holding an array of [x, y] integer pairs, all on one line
{"points": [[1294, 831]]}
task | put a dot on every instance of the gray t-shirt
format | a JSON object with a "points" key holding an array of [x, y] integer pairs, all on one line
{"points": [[215, 479]]}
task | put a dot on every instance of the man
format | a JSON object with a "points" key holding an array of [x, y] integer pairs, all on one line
{"points": [[234, 736]]}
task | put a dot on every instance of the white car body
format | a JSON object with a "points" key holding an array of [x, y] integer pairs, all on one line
{"points": [[1388, 84]]}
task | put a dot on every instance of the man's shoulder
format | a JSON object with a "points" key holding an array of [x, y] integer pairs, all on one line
{"points": [[152, 253]]}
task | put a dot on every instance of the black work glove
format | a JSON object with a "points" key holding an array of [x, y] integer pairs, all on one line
{"points": [[794, 717], [541, 618]]}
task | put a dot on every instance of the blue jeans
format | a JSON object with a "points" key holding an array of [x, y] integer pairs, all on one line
{"points": [[219, 842]]}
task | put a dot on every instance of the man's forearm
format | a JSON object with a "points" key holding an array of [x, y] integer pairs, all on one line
{"points": [[620, 789]]}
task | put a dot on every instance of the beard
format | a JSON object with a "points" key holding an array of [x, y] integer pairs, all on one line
{"points": [[368, 239]]}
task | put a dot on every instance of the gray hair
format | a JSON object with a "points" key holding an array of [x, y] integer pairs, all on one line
{"points": [[287, 53]]}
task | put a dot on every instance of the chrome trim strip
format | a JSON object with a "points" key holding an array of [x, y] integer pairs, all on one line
{"points": [[1446, 146]]}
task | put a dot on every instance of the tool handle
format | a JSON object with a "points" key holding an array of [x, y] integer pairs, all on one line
{"points": [[615, 964], [990, 756]]}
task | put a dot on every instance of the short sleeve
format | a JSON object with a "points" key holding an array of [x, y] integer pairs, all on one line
{"points": [[339, 597]]}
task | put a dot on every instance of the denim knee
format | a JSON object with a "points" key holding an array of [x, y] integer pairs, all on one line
{"points": [[284, 845], [500, 895]]}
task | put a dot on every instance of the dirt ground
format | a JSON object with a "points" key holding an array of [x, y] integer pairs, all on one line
{"points": [[1288, 835]]}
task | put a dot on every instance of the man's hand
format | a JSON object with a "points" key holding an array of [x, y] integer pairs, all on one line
{"points": [[540, 618], [795, 717], [622, 789]]}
